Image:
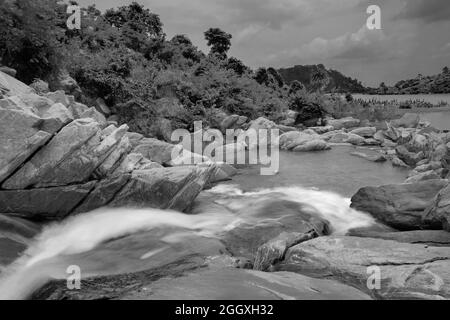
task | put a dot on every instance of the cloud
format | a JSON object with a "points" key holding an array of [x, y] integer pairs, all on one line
{"points": [[364, 44], [427, 11]]}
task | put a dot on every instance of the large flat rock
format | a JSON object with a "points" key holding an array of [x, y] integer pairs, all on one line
{"points": [[70, 157], [438, 214], [435, 238], [399, 206], [45, 203], [237, 284], [164, 188], [406, 270]]}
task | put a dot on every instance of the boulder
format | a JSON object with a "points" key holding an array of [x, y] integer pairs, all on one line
{"points": [[365, 132], [92, 113], [408, 120], [275, 249], [322, 129], [134, 138], [129, 163], [406, 270], [303, 141], [233, 122], [9, 71], [40, 86], [164, 188], [102, 107], [44, 204], [70, 157], [271, 218], [439, 153], [103, 193], [187, 279], [67, 84], [114, 159], [396, 162], [347, 138], [410, 158], [284, 128], [12, 86], [328, 135], [434, 165], [58, 96], [371, 142], [313, 145], [399, 206], [344, 123], [155, 150], [373, 158], [20, 137], [379, 135], [417, 143], [438, 213], [223, 172], [392, 133], [78, 109], [422, 176], [287, 138]]}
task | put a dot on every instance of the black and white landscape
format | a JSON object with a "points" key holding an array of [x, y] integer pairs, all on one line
{"points": [[224, 150]]}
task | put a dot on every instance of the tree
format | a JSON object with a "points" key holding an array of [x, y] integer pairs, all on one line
{"points": [[276, 76], [30, 38], [181, 39], [261, 76], [445, 70], [237, 66], [219, 41], [136, 24], [295, 87], [383, 88]]}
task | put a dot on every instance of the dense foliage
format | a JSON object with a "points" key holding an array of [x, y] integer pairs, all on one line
{"points": [[151, 82]]}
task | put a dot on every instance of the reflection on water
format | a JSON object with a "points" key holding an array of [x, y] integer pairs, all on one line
{"points": [[334, 170], [439, 120]]}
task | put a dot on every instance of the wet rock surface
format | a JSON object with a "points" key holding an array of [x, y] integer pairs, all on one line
{"points": [[406, 270]]}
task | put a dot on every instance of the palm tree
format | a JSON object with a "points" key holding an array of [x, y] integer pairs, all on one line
{"points": [[318, 77]]}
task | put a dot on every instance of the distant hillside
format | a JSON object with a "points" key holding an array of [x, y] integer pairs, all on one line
{"points": [[315, 77], [439, 83]]}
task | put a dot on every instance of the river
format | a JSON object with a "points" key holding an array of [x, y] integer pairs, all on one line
{"points": [[115, 241]]}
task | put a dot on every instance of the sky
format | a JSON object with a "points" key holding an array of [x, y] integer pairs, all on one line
{"points": [[414, 36]]}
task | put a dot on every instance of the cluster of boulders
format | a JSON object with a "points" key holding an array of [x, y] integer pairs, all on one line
{"points": [[59, 157]]}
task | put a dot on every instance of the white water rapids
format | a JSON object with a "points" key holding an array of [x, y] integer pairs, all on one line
{"points": [[82, 234]]}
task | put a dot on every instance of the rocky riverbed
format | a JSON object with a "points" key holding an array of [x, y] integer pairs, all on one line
{"points": [[77, 189]]}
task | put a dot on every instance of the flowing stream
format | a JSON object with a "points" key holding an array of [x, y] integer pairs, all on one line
{"points": [[115, 241]]}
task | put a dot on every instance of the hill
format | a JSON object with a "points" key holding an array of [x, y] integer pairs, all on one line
{"points": [[439, 83], [315, 77]]}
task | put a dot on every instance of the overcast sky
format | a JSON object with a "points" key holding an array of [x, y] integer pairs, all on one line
{"points": [[415, 35]]}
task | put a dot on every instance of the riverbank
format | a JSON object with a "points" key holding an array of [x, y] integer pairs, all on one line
{"points": [[115, 200]]}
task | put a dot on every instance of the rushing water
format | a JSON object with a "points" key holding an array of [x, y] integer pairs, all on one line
{"points": [[113, 241]]}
